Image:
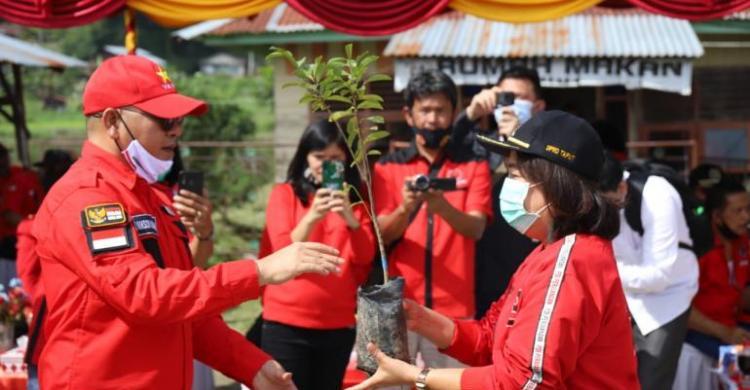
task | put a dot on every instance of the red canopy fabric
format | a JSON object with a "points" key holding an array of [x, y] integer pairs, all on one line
{"points": [[57, 13], [367, 17], [692, 9]]}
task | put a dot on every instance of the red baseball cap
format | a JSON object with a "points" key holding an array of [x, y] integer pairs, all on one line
{"points": [[132, 80]]}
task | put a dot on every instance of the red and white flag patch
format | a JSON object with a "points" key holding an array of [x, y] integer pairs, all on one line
{"points": [[111, 239]]}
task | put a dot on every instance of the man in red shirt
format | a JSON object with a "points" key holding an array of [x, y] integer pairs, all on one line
{"points": [[716, 310], [126, 308], [724, 270], [432, 233], [19, 196]]}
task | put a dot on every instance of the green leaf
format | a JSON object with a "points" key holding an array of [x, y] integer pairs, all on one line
{"points": [[378, 77], [277, 52], [367, 61], [372, 137], [374, 97], [374, 152], [348, 49], [359, 156], [338, 98], [352, 131], [377, 119], [368, 104], [339, 115]]}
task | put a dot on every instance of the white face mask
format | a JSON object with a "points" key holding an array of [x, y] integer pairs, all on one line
{"points": [[522, 109], [144, 163]]}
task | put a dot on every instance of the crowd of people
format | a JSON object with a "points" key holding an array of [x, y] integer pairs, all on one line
{"points": [[546, 261]]}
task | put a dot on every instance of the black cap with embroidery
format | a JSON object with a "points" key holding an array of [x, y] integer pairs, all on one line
{"points": [[559, 137]]}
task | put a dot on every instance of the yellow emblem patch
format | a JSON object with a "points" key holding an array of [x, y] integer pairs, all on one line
{"points": [[164, 76], [109, 214]]}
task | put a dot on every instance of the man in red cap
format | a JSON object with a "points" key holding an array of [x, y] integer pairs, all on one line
{"points": [[126, 309]]}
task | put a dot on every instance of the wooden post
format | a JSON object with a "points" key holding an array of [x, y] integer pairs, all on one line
{"points": [[19, 118], [13, 89]]}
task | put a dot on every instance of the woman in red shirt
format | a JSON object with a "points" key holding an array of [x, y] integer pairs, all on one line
{"points": [[309, 321], [563, 321]]}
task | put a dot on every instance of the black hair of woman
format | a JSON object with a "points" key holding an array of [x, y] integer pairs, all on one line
{"points": [[318, 136]]}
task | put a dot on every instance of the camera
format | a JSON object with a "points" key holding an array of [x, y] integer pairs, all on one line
{"points": [[424, 183], [505, 98]]}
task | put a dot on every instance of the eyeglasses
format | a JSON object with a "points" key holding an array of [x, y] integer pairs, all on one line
{"points": [[166, 124]]}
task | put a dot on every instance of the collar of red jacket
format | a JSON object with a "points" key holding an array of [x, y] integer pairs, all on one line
{"points": [[743, 240], [111, 163]]}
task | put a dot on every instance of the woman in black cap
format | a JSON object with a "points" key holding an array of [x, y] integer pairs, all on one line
{"points": [[563, 321]]}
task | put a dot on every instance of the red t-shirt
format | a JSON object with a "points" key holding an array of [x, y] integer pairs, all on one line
{"points": [[20, 192], [563, 323], [721, 282], [316, 301], [452, 266]]}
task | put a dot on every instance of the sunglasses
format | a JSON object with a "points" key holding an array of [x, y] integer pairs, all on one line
{"points": [[166, 124]]}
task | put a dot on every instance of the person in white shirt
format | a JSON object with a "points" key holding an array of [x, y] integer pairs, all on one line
{"points": [[659, 273]]}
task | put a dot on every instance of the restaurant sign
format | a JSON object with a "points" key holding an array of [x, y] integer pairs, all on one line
{"points": [[665, 74]]}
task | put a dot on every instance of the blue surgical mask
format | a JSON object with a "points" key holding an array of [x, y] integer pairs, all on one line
{"points": [[512, 198]]}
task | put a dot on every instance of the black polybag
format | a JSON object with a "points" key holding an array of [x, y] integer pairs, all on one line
{"points": [[381, 320]]}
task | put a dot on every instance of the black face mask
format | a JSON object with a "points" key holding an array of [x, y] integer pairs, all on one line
{"points": [[727, 232], [432, 138]]}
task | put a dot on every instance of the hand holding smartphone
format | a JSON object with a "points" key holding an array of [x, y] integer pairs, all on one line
{"points": [[333, 175], [191, 181]]}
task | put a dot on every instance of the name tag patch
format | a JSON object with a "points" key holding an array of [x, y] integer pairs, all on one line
{"points": [[144, 224], [104, 215]]}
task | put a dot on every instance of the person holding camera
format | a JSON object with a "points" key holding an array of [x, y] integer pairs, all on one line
{"points": [[308, 322], [433, 202]]}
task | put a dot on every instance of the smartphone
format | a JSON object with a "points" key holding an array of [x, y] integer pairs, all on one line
{"points": [[505, 98], [333, 174], [191, 181]]}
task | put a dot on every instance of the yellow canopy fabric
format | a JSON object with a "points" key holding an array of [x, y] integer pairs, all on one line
{"points": [[178, 13], [522, 11]]}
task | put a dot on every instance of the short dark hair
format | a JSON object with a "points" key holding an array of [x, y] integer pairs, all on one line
{"points": [[318, 136], [577, 206], [430, 82], [705, 171], [611, 175], [716, 199], [523, 73], [610, 134]]}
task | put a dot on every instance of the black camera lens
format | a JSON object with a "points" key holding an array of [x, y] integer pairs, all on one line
{"points": [[420, 183]]}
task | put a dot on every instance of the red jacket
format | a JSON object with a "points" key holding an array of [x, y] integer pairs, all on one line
{"points": [[20, 193], [29, 270], [126, 307], [316, 301], [27, 262], [562, 324], [719, 290]]}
